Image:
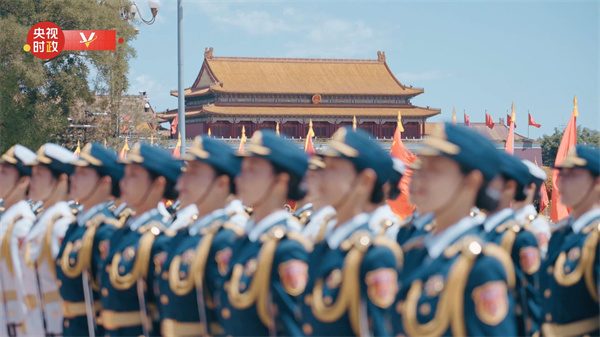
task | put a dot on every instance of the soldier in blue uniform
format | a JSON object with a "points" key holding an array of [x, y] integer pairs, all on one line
{"points": [[570, 274], [268, 268], [383, 220], [86, 243], [15, 223], [315, 228], [127, 280], [501, 228], [452, 282], [526, 213], [199, 254], [352, 273]]}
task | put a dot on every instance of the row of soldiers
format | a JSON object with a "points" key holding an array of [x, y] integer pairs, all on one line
{"points": [[120, 264]]}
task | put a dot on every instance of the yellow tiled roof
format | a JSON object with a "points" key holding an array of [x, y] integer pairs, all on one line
{"points": [[498, 133], [304, 76]]}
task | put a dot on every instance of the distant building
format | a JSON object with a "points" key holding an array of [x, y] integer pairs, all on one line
{"points": [[258, 93]]}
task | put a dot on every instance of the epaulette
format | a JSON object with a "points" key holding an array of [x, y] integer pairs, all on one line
{"points": [[300, 239], [239, 231], [392, 245], [413, 243], [360, 240]]}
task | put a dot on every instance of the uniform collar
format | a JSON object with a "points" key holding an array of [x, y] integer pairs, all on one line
{"points": [[206, 220], [86, 215], [522, 214], [343, 231], [183, 217], [436, 244], [235, 206], [303, 208], [496, 219], [140, 220], [585, 220], [422, 220], [255, 230]]}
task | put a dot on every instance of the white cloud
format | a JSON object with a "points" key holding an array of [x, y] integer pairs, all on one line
{"points": [[153, 88], [314, 35]]}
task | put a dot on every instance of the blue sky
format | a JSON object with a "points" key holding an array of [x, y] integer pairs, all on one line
{"points": [[472, 55]]}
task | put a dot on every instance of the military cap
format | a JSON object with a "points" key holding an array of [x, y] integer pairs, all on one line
{"points": [[278, 151], [513, 169], [104, 160], [468, 148], [358, 148], [536, 172], [20, 157], [57, 158], [215, 153], [156, 160], [582, 156], [398, 169]]}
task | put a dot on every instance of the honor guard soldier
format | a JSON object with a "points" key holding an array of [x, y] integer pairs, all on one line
{"points": [[453, 283], [320, 222], [501, 228], [383, 220], [15, 173], [570, 274], [135, 255], [199, 254], [352, 274], [50, 184], [86, 243], [268, 267], [526, 213]]}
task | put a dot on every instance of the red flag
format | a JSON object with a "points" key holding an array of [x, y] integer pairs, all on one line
{"points": [[401, 206], [177, 151], [309, 148], [509, 121], [544, 202], [123, 153], [467, 121], [510, 141], [558, 210], [489, 121], [533, 123], [174, 124]]}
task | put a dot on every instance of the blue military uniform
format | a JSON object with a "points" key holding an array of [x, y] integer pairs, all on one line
{"points": [[569, 274], [452, 282], [85, 247], [414, 226], [268, 270], [502, 229], [198, 257], [137, 252], [353, 273]]}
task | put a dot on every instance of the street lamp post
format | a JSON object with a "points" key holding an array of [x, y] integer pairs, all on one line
{"points": [[180, 89]]}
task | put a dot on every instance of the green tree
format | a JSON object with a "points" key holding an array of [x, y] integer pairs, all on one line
{"points": [[550, 143], [37, 96]]}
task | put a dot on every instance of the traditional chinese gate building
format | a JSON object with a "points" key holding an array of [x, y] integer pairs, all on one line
{"points": [[258, 93]]}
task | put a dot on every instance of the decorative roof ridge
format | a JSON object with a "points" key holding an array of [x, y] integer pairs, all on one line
{"points": [[208, 56]]}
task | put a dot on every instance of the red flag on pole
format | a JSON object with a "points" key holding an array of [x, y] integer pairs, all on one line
{"points": [[489, 121], [558, 210], [401, 206], [467, 120], [533, 123], [510, 141], [174, 124], [509, 121], [308, 144], [177, 151]]}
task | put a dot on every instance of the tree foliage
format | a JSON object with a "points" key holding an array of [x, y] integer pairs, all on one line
{"points": [[37, 96], [550, 143]]}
